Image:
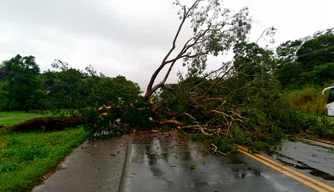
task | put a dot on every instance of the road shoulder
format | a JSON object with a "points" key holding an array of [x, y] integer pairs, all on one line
{"points": [[93, 166]]}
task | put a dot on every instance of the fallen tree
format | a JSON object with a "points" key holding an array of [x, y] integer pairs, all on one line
{"points": [[237, 103], [193, 105]]}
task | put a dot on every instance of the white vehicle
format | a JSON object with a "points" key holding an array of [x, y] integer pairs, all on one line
{"points": [[330, 101]]}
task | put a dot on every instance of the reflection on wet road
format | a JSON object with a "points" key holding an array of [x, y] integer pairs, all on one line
{"points": [[166, 163], [318, 161]]}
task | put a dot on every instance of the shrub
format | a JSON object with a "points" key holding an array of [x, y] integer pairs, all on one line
{"points": [[308, 100]]}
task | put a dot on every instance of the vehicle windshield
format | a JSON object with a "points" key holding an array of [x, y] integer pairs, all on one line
{"points": [[331, 96]]}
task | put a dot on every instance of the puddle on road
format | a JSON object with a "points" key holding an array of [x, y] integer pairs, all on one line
{"points": [[303, 166], [234, 160], [244, 171], [324, 175]]}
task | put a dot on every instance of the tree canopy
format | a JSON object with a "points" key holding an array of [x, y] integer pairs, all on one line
{"points": [[23, 87], [308, 60]]}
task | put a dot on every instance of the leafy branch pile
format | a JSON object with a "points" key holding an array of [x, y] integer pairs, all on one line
{"points": [[118, 118], [232, 110]]}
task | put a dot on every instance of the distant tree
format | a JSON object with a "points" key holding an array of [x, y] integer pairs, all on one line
{"points": [[125, 89], [286, 52], [64, 87], [307, 60], [103, 90], [250, 59], [317, 51], [289, 74], [25, 87], [3, 95], [323, 73], [73, 89]]}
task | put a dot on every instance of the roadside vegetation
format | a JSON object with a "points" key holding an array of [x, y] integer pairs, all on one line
{"points": [[307, 100], [258, 98], [26, 157]]}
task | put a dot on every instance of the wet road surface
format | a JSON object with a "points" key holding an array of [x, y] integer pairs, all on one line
{"points": [[161, 162], [312, 159], [164, 163], [93, 166]]}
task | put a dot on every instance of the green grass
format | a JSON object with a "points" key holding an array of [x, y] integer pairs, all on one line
{"points": [[307, 100], [9, 118], [26, 157]]}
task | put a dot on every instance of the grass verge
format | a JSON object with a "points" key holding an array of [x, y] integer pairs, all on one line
{"points": [[26, 157]]}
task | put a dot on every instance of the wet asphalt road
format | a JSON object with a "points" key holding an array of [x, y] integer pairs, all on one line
{"points": [[162, 162], [309, 159], [93, 166]]}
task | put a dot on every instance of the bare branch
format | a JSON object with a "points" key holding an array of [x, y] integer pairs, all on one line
{"points": [[187, 115], [204, 133], [155, 74], [177, 33], [171, 121], [214, 84], [186, 56]]}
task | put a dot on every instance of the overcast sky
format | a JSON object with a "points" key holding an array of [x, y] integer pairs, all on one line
{"points": [[130, 37]]}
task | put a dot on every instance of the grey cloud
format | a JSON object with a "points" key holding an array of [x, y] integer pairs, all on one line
{"points": [[92, 18], [130, 37]]}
